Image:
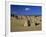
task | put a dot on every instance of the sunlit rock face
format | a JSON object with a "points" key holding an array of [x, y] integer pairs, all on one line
{"points": [[32, 20], [23, 23]]}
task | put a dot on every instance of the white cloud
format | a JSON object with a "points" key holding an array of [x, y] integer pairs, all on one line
{"points": [[27, 9]]}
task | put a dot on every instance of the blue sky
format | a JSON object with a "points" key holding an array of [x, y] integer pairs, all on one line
{"points": [[26, 10]]}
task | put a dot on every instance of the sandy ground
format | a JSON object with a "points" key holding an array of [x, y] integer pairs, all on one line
{"points": [[22, 25]]}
